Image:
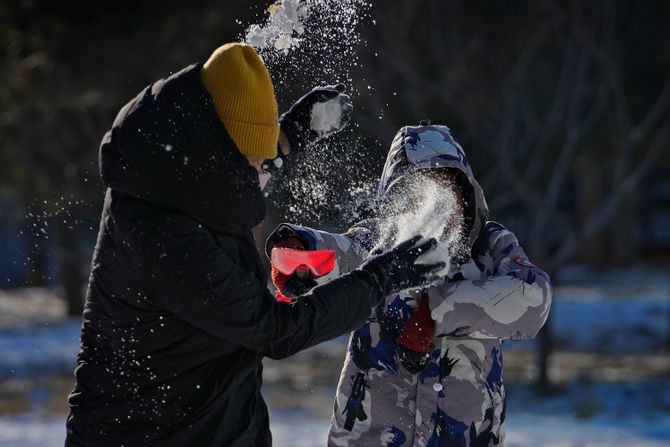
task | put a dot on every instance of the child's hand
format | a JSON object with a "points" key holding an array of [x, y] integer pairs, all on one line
{"points": [[285, 284]]}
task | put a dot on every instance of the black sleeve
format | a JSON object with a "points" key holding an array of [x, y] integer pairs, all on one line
{"points": [[201, 284]]}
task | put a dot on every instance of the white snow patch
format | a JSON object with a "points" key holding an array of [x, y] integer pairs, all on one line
{"points": [[32, 431], [282, 27], [39, 350], [296, 428]]}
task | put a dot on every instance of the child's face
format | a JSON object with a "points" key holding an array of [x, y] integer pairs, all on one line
{"points": [[437, 191], [448, 181]]}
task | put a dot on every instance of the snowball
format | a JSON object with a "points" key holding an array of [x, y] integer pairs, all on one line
{"points": [[327, 116]]}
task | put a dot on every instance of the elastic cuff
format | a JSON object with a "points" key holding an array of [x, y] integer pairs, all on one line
{"points": [[293, 133]]}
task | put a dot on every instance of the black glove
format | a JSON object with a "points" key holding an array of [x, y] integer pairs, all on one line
{"points": [[296, 123], [296, 286], [396, 270]]}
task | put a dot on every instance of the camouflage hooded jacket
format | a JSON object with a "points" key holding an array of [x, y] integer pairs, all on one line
{"points": [[459, 399]]}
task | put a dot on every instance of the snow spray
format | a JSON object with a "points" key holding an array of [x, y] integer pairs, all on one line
{"points": [[309, 40], [282, 28], [307, 43], [423, 206]]}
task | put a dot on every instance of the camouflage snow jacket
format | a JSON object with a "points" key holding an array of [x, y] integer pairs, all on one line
{"points": [[459, 399]]}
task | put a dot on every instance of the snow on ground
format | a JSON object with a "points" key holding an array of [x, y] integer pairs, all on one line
{"points": [[25, 305], [39, 349], [296, 429], [614, 313], [523, 430], [32, 431], [623, 326]]}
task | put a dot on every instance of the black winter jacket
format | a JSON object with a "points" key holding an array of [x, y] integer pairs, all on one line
{"points": [[178, 316]]}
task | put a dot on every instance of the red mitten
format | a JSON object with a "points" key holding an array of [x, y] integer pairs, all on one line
{"points": [[278, 278], [415, 343], [294, 269]]}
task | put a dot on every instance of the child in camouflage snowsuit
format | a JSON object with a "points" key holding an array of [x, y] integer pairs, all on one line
{"points": [[494, 293]]}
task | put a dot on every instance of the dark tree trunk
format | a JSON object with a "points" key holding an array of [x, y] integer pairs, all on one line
{"points": [[545, 348], [68, 262], [624, 241], [545, 339], [589, 192]]}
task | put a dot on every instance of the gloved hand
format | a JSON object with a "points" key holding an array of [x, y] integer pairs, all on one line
{"points": [[301, 128], [290, 286], [396, 270]]}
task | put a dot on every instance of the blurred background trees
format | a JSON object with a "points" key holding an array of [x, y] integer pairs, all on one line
{"points": [[563, 107]]}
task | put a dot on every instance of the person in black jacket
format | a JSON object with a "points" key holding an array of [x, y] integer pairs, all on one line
{"points": [[177, 316]]}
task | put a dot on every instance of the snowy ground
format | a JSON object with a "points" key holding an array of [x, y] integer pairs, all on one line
{"points": [[613, 374], [299, 430]]}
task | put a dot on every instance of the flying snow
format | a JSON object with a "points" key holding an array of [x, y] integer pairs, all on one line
{"points": [[304, 44], [426, 207], [282, 28]]}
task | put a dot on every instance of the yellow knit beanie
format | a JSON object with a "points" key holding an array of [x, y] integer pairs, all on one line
{"points": [[240, 86]]}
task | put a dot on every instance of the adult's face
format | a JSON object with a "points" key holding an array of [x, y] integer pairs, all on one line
{"points": [[257, 163]]}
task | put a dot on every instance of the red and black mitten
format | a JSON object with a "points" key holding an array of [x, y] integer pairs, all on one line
{"points": [[294, 270], [415, 343], [287, 284]]}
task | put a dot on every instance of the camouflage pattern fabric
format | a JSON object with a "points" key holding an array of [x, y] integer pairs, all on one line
{"points": [[459, 400]]}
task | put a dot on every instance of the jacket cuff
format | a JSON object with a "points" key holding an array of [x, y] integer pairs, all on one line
{"points": [[375, 296]]}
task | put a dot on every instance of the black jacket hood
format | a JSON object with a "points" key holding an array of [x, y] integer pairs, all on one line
{"points": [[168, 147]]}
